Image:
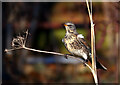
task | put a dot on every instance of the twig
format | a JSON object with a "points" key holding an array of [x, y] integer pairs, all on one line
{"points": [[7, 50], [55, 53], [60, 54], [21, 45], [94, 71], [48, 52], [41, 51]]}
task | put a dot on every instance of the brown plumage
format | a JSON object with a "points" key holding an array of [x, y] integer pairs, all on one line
{"points": [[76, 44]]}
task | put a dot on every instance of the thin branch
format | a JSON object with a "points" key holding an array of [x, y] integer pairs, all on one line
{"points": [[89, 10], [94, 71], [8, 50], [21, 42], [60, 54], [55, 53], [41, 51], [26, 37]]}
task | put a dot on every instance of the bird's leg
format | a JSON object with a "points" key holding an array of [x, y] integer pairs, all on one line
{"points": [[85, 62], [66, 55]]}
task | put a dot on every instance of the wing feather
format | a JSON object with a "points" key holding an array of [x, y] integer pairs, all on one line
{"points": [[82, 40]]}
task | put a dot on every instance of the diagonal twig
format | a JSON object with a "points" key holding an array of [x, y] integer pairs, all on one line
{"points": [[21, 42]]}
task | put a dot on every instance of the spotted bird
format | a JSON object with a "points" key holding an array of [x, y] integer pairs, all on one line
{"points": [[77, 46]]}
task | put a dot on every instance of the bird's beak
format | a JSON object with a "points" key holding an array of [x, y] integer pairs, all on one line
{"points": [[65, 25]]}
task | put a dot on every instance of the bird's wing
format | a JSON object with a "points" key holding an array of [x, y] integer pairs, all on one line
{"points": [[81, 39]]}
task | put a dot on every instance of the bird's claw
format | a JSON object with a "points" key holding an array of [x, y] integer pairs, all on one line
{"points": [[85, 62], [66, 56]]}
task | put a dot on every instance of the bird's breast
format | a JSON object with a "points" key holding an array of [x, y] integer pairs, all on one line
{"points": [[72, 44]]}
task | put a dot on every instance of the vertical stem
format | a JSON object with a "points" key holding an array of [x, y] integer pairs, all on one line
{"points": [[93, 47], [92, 44]]}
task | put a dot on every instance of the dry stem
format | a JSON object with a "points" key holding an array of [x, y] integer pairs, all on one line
{"points": [[41, 51], [55, 53], [94, 71]]}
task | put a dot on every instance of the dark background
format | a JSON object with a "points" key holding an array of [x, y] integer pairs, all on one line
{"points": [[44, 21]]}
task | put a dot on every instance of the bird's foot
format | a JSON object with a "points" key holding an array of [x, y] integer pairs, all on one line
{"points": [[85, 62], [66, 56]]}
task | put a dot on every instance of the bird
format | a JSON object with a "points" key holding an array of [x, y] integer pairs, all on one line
{"points": [[77, 45]]}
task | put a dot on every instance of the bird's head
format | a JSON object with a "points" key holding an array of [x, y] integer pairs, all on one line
{"points": [[70, 27]]}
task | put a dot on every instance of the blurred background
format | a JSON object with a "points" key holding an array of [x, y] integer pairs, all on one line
{"points": [[44, 21]]}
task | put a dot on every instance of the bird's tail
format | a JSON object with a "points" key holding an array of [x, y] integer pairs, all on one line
{"points": [[99, 65]]}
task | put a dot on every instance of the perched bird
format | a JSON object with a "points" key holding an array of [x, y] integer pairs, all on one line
{"points": [[77, 46]]}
